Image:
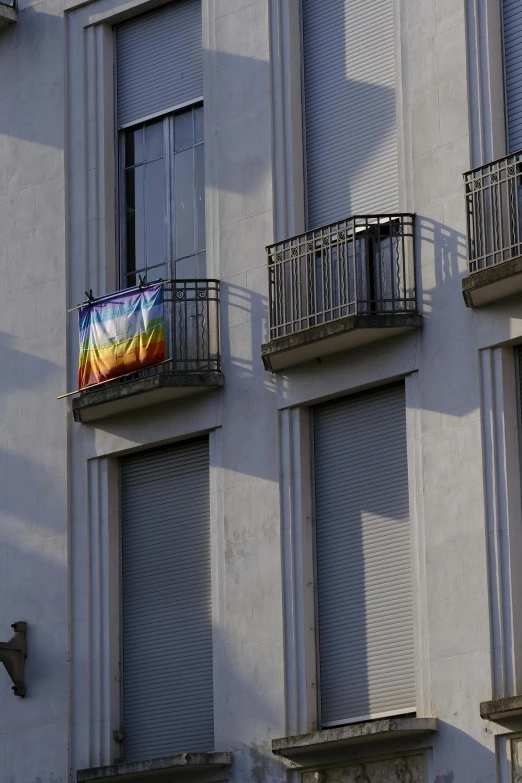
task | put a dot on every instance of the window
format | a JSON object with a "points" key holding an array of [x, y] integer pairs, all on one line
{"points": [[163, 193], [350, 109], [363, 557], [512, 33], [167, 652]]}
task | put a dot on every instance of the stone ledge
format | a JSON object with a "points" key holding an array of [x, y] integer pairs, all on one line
{"points": [[161, 769], [501, 709], [142, 392], [493, 283], [8, 15], [334, 336], [355, 734]]}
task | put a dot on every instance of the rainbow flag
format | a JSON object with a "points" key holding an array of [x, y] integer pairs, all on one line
{"points": [[121, 334]]}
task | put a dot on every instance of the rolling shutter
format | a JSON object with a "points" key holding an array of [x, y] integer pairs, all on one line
{"points": [[166, 602], [350, 112], [364, 582], [512, 18], [159, 61]]}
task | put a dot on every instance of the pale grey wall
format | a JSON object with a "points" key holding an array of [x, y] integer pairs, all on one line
{"points": [[259, 448], [33, 424]]}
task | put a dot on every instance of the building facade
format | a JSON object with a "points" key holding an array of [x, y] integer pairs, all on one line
{"points": [[290, 549]]}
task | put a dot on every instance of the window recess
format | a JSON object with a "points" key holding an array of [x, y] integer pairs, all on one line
{"points": [[363, 558], [163, 198]]}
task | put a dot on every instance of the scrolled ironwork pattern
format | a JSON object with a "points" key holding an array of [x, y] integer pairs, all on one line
{"points": [[493, 205], [362, 265], [191, 330]]}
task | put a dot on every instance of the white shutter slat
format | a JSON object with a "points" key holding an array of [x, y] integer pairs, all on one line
{"points": [[364, 579], [350, 109], [512, 18], [166, 602], [159, 60]]}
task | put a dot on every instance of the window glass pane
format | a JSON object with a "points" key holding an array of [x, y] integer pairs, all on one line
{"points": [[184, 203], [201, 271], [133, 146], [154, 140], [134, 220], [149, 220], [183, 130], [200, 197], [155, 272], [155, 212], [198, 122], [186, 269]]}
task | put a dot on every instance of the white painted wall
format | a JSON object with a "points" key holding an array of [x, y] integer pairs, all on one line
{"points": [[259, 451], [33, 425]]}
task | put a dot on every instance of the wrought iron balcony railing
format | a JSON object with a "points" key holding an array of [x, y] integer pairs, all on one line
{"points": [[191, 331], [493, 200], [360, 266]]}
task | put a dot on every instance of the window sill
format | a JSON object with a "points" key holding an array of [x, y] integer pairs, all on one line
{"points": [[321, 746], [210, 767], [142, 392], [334, 336], [493, 283]]}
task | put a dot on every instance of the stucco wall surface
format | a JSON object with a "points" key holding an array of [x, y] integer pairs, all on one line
{"points": [[460, 409], [33, 424]]}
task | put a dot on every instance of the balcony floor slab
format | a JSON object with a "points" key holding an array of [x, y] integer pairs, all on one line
{"points": [[367, 738], [197, 767], [502, 710], [334, 336], [8, 15], [493, 283], [142, 392]]}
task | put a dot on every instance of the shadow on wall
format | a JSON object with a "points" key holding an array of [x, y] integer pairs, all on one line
{"points": [[25, 368], [33, 575], [251, 693], [31, 98], [441, 256]]}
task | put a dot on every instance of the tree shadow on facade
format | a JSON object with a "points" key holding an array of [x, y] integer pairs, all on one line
{"points": [[24, 370], [31, 98]]}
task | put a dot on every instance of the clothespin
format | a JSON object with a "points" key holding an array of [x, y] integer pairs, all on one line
{"points": [[143, 282], [90, 297]]}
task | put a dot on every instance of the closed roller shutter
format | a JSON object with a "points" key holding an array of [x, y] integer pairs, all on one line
{"points": [[166, 600], [349, 86], [512, 15], [364, 582], [159, 61]]}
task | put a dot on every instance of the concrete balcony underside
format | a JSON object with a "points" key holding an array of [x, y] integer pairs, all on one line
{"points": [[334, 336], [8, 15], [493, 283], [142, 392], [356, 739], [196, 767], [502, 710]]}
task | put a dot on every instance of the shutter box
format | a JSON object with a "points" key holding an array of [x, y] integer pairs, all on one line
{"points": [[167, 665], [363, 557]]}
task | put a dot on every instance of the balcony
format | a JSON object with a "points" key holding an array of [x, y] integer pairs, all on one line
{"points": [[493, 201], [8, 13], [191, 345], [340, 286]]}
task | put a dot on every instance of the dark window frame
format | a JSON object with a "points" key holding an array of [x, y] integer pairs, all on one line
{"points": [[178, 262]]}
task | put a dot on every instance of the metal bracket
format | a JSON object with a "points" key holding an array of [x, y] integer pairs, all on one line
{"points": [[13, 654]]}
